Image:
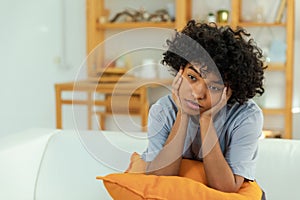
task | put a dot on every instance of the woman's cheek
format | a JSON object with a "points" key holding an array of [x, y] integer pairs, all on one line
{"points": [[184, 88], [213, 99], [186, 84]]}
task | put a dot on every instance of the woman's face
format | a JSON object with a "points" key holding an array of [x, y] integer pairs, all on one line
{"points": [[199, 91]]}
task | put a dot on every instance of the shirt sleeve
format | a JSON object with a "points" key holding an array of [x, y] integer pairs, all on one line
{"points": [[241, 154], [160, 121]]}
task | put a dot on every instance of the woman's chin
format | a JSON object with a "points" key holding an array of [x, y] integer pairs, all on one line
{"points": [[195, 114], [192, 112]]}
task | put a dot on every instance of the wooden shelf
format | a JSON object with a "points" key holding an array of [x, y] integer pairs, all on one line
{"points": [[273, 133], [260, 24], [129, 25], [276, 67], [112, 79], [114, 70], [222, 24], [273, 111]]}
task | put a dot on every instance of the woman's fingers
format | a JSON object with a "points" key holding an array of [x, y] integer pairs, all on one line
{"points": [[177, 82], [175, 88], [222, 102], [177, 78], [216, 108], [224, 96]]}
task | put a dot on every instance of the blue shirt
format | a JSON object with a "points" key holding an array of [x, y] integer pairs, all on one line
{"points": [[238, 129]]}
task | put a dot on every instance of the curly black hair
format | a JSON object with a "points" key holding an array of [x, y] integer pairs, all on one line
{"points": [[238, 59]]}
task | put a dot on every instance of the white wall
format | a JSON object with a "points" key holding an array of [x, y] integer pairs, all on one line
{"points": [[34, 35], [32, 42]]}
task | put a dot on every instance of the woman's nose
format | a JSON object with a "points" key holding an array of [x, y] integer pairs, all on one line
{"points": [[199, 91]]}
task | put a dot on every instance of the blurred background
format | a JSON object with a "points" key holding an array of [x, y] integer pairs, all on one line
{"points": [[43, 42]]}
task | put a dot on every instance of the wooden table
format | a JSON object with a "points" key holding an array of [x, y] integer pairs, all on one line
{"points": [[128, 97]]}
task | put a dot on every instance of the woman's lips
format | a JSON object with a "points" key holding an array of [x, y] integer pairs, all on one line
{"points": [[193, 105]]}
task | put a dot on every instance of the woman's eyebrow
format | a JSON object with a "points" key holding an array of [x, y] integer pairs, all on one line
{"points": [[219, 82], [195, 70]]}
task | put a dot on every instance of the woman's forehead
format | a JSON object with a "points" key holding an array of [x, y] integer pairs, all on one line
{"points": [[209, 74]]}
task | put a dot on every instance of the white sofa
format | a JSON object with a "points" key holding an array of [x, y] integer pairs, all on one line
{"points": [[43, 164]]}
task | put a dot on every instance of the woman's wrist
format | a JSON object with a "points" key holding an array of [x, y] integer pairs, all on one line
{"points": [[205, 119], [182, 115], [206, 123]]}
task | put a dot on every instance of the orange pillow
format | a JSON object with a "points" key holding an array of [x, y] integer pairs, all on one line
{"points": [[189, 186]]}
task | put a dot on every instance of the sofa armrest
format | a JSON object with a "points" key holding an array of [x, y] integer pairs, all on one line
{"points": [[278, 168], [20, 157]]}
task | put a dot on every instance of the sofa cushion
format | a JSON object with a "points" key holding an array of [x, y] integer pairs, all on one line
{"points": [[74, 159], [278, 167]]}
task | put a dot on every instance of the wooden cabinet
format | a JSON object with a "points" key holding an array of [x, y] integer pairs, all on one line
{"points": [[185, 10]]}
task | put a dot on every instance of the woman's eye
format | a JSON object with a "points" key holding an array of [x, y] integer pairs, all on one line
{"points": [[214, 88], [193, 78]]}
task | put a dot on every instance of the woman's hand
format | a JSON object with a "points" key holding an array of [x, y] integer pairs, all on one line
{"points": [[175, 88], [210, 113]]}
